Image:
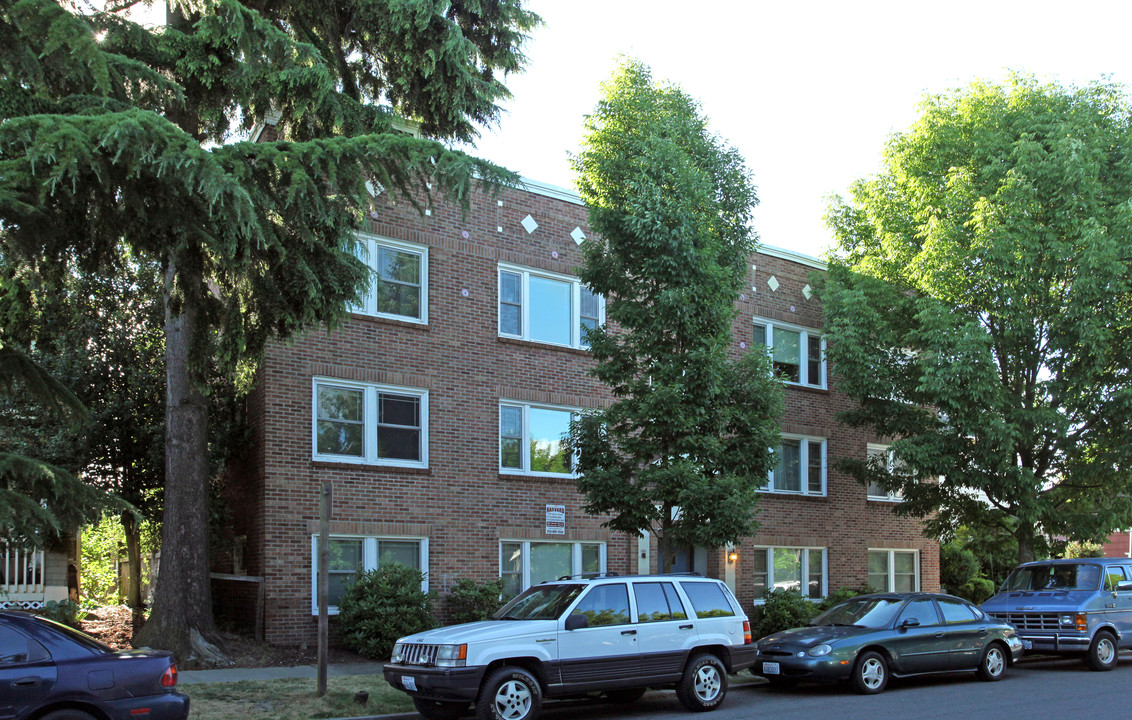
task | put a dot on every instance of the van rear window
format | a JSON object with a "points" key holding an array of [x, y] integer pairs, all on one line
{"points": [[707, 599]]}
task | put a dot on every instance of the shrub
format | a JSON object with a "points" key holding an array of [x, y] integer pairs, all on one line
{"points": [[840, 595], [782, 610], [1075, 549], [382, 605], [957, 567], [978, 590], [63, 611], [470, 601]]}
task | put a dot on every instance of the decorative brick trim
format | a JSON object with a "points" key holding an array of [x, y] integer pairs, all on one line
{"points": [[515, 533], [811, 430], [381, 377], [368, 528], [545, 398]]}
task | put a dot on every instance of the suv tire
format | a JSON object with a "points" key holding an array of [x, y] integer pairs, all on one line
{"points": [[704, 684], [509, 693], [1102, 653], [438, 709]]}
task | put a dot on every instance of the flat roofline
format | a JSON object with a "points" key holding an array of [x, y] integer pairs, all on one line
{"points": [[793, 256]]}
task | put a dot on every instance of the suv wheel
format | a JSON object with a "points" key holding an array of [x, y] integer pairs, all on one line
{"points": [[993, 665], [1102, 653], [704, 684], [510, 693], [438, 709], [870, 675]]}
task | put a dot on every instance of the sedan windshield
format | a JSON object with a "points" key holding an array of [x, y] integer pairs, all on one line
{"points": [[1054, 576], [543, 602], [867, 612]]}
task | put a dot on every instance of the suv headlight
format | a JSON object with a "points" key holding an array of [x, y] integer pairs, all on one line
{"points": [[398, 649], [451, 655], [819, 650]]}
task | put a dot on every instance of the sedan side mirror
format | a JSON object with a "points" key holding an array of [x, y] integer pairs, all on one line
{"points": [[910, 622], [577, 621]]}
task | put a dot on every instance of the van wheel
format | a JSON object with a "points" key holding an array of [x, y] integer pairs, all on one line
{"points": [[993, 665], [438, 709], [624, 697], [510, 693], [704, 684], [870, 675], [1102, 653]]}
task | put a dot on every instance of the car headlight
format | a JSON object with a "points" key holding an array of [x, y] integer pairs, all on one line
{"points": [[819, 650], [451, 655], [398, 653]]}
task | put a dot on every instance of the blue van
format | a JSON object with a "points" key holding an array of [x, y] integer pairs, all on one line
{"points": [[1079, 607]]}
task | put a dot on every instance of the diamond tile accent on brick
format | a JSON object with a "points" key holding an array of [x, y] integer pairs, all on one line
{"points": [[578, 235], [808, 292], [529, 224], [773, 283]]}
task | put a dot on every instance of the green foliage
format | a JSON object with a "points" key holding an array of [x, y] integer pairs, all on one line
{"points": [[382, 605], [840, 595], [670, 207], [1077, 549], [67, 612], [978, 311], [470, 601], [978, 590], [957, 566], [100, 543], [782, 609]]}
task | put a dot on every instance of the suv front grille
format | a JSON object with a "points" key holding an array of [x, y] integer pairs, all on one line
{"points": [[419, 654], [1032, 621]]}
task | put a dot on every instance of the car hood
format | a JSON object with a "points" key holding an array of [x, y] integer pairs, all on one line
{"points": [[1042, 600], [483, 631], [813, 635]]}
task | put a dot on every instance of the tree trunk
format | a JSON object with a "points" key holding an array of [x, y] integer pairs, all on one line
{"points": [[1025, 537], [133, 561], [181, 619]]}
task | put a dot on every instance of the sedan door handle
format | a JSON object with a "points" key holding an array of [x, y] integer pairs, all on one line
{"points": [[628, 632], [25, 682]]}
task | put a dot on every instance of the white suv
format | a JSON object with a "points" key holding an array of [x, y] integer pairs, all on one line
{"points": [[610, 634]]}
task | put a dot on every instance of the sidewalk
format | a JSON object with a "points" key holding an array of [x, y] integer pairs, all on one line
{"points": [[191, 677]]}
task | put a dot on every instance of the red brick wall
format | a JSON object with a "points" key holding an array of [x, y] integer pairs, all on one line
{"points": [[461, 502]]}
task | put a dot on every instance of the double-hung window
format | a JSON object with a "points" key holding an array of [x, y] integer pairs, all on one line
{"points": [[532, 439], [785, 568], [546, 307], [370, 424], [800, 466], [398, 279], [796, 353], [523, 563], [894, 570], [882, 455], [350, 555]]}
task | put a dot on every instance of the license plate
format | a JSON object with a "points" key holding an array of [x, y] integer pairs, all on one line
{"points": [[409, 682], [771, 669]]}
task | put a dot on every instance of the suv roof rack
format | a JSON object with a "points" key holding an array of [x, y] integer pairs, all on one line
{"points": [[589, 576]]}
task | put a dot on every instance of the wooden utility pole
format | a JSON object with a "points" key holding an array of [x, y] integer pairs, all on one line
{"points": [[323, 589]]}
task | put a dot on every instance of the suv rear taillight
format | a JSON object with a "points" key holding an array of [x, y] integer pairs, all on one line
{"points": [[746, 632], [169, 678]]}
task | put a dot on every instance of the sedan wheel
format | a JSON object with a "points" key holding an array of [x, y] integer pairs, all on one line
{"points": [[870, 676], [993, 665]]}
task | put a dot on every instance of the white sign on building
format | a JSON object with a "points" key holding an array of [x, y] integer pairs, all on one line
{"points": [[555, 519]]}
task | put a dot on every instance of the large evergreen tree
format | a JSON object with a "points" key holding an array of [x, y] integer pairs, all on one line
{"points": [[687, 441], [981, 311], [117, 134]]}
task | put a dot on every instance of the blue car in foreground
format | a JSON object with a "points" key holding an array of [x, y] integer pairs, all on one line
{"points": [[50, 671]]}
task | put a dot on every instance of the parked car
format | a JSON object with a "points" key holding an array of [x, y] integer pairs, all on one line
{"points": [[608, 634], [1077, 607], [869, 638], [50, 671]]}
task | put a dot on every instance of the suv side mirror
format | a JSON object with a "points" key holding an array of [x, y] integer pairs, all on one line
{"points": [[577, 621], [910, 622], [1124, 585]]}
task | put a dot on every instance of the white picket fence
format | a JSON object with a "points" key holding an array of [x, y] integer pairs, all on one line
{"points": [[22, 577]]}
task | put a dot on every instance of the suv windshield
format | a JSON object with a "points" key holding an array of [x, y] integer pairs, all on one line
{"points": [[1054, 576], [543, 602], [864, 612]]}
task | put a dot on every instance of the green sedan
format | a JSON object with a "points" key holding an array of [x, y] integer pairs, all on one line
{"points": [[870, 638]]}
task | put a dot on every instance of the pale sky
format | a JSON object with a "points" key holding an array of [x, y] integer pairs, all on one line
{"points": [[806, 91]]}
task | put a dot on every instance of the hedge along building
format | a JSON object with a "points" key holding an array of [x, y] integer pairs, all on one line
{"points": [[435, 412]]}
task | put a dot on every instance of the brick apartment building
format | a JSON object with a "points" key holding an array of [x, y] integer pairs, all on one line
{"points": [[423, 408]]}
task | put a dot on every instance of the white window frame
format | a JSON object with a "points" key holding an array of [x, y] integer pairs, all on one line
{"points": [[890, 463], [369, 559], [525, 441], [804, 469], [370, 243], [576, 339], [768, 554], [890, 579], [803, 350], [575, 560], [371, 391]]}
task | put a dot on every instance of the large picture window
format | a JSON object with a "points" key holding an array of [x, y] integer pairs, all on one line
{"points": [[800, 467], [787, 568], [545, 307], [525, 563], [797, 354], [375, 424], [532, 439], [350, 555], [398, 281], [894, 570]]}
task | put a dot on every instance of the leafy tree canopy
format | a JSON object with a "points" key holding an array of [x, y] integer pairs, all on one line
{"points": [[684, 446], [980, 310]]}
